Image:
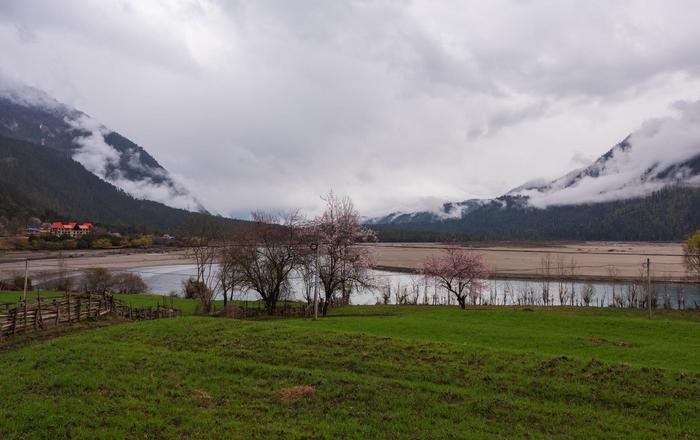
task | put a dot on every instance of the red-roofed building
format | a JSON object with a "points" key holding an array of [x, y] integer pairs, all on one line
{"points": [[70, 229]]}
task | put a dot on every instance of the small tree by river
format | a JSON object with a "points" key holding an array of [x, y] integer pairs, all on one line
{"points": [[459, 272]]}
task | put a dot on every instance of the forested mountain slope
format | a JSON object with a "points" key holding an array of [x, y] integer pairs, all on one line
{"points": [[669, 214], [48, 183]]}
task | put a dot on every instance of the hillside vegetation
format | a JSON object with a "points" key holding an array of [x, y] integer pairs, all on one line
{"points": [[667, 215], [40, 181], [364, 372]]}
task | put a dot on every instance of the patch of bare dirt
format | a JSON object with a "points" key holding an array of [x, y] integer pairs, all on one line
{"points": [[296, 392], [603, 341], [201, 394]]}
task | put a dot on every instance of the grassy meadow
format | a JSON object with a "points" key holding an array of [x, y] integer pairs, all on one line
{"points": [[363, 372]]}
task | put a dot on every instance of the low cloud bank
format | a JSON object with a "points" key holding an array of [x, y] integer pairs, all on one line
{"points": [[636, 167], [103, 160]]}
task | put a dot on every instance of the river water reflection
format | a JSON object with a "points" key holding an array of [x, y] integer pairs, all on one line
{"points": [[400, 286]]}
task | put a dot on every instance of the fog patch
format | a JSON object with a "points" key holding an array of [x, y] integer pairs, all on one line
{"points": [[103, 160], [636, 169]]}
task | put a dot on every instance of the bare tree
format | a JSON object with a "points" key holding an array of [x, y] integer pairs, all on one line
{"points": [[587, 294], [613, 274], [203, 234], [342, 264], [573, 267], [526, 294], [562, 274], [459, 272], [229, 275], [546, 274], [97, 279], [633, 289], [386, 293], [306, 271], [508, 293], [129, 282], [401, 294], [667, 293], [680, 296], [269, 253], [416, 282], [426, 301]]}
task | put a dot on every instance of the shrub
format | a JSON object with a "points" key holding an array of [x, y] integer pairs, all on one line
{"points": [[200, 291], [143, 241], [16, 283], [588, 294], [21, 244], [101, 243], [52, 245], [193, 288], [97, 279], [128, 282]]}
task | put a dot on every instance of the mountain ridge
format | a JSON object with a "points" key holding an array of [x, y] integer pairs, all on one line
{"points": [[32, 115], [646, 187], [653, 178], [43, 182]]}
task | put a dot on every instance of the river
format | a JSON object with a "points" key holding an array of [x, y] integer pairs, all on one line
{"points": [[399, 286]]}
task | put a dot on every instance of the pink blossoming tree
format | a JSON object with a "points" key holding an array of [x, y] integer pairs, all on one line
{"points": [[342, 264], [458, 272]]}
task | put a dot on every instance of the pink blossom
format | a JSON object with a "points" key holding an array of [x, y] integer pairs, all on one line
{"points": [[459, 272]]}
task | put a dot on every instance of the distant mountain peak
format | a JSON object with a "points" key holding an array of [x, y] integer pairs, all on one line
{"points": [[629, 169], [32, 115], [663, 152]]}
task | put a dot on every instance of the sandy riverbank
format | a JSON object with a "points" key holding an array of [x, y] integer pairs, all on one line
{"points": [[523, 260], [47, 261], [506, 259]]}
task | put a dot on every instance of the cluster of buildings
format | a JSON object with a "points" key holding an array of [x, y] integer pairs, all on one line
{"points": [[70, 229], [59, 229]]}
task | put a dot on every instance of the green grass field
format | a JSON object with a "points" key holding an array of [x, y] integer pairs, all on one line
{"points": [[364, 372]]}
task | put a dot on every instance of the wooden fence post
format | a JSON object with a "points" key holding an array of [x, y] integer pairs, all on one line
{"points": [[24, 327], [14, 320], [37, 313]]}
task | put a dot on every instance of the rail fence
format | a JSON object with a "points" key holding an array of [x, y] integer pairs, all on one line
{"points": [[24, 317]]}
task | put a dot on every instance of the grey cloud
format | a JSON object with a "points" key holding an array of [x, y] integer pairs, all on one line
{"points": [[266, 104]]}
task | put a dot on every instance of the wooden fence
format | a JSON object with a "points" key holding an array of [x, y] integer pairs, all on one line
{"points": [[23, 317]]}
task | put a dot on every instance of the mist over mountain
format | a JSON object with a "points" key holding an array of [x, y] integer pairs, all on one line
{"points": [[32, 115], [659, 160], [663, 152], [45, 182]]}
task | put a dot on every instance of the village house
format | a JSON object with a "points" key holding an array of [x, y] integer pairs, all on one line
{"points": [[70, 229]]}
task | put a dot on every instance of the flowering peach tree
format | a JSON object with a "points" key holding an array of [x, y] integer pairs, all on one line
{"points": [[342, 264], [458, 272]]}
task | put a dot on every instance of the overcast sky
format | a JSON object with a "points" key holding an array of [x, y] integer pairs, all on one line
{"points": [[399, 104]]}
